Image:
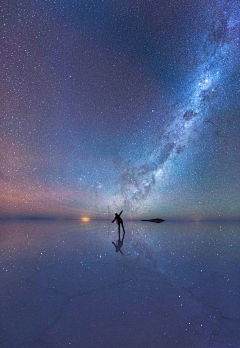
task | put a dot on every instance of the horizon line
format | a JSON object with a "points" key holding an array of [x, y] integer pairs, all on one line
{"points": [[55, 218]]}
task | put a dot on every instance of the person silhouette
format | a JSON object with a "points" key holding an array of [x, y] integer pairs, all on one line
{"points": [[119, 222]]}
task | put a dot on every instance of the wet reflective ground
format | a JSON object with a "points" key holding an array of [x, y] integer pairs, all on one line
{"points": [[64, 285]]}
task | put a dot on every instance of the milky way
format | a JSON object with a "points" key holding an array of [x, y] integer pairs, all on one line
{"points": [[218, 45], [109, 106]]}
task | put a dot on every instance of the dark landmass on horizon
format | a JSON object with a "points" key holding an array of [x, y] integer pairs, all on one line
{"points": [[154, 220]]}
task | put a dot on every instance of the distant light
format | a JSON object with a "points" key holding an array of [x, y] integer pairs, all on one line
{"points": [[85, 219]]}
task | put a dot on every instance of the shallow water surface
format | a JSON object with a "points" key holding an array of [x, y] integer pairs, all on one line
{"points": [[64, 285]]}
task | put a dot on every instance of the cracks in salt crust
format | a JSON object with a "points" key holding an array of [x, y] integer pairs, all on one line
{"points": [[163, 277], [170, 283], [80, 294], [220, 314], [38, 343], [56, 291], [67, 301]]}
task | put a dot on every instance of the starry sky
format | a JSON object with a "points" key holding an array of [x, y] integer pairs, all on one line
{"points": [[110, 105]]}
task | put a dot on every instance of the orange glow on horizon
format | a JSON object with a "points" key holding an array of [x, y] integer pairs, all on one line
{"points": [[85, 219]]}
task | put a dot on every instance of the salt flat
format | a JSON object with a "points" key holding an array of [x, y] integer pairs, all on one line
{"points": [[64, 285]]}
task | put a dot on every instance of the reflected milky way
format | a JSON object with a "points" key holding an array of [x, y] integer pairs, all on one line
{"points": [[109, 105], [64, 284]]}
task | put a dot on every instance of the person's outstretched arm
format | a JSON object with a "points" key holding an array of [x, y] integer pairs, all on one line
{"points": [[114, 220], [120, 213]]}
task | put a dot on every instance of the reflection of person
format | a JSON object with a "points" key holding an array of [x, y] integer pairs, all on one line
{"points": [[119, 222], [119, 244]]}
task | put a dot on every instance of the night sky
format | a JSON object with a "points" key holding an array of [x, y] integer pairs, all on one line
{"points": [[111, 105]]}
